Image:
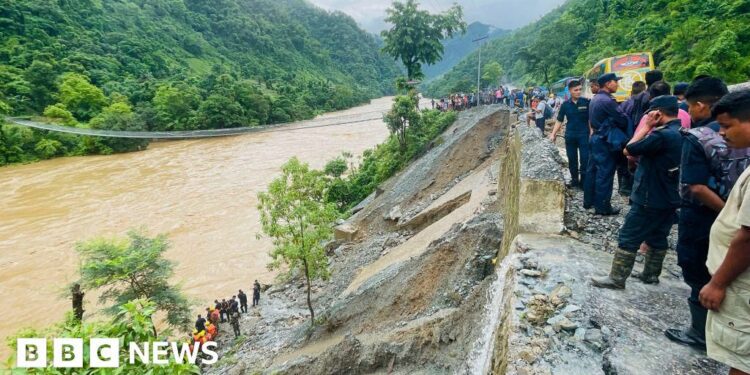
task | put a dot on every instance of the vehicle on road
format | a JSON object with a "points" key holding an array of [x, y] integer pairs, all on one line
{"points": [[631, 68], [560, 88]]}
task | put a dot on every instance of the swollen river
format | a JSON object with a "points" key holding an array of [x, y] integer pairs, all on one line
{"points": [[201, 193]]}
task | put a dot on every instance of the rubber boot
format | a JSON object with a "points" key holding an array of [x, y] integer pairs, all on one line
{"points": [[622, 266], [651, 266], [695, 335]]}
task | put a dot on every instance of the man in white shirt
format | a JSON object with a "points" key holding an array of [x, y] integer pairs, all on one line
{"points": [[727, 295], [539, 115]]}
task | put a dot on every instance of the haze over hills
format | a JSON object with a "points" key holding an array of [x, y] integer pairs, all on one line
{"points": [[459, 47], [687, 38]]}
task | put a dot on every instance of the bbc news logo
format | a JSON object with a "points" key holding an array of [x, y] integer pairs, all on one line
{"points": [[105, 353]]}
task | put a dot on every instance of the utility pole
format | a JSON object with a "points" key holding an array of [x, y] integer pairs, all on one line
{"points": [[479, 67]]}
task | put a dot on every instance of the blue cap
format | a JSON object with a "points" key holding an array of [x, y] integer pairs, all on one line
{"points": [[604, 78], [663, 102]]}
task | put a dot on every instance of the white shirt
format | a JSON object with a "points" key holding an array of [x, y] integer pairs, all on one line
{"points": [[736, 214]]}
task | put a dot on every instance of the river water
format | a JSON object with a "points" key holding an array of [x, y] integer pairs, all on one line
{"points": [[201, 193]]}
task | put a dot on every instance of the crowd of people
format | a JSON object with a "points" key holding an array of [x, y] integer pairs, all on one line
{"points": [[500, 95], [206, 328], [681, 156]]}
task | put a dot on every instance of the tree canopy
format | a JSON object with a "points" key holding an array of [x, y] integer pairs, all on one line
{"points": [[133, 268], [416, 35]]}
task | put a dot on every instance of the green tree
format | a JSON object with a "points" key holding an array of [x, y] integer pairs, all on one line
{"points": [[295, 214], [176, 106], [80, 97], [47, 148], [336, 167], [41, 77], [416, 35], [402, 116], [130, 268], [220, 112], [58, 111], [492, 73], [133, 322]]}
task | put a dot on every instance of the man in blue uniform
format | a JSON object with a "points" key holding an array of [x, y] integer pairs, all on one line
{"points": [[655, 196], [576, 111], [608, 126], [702, 200]]}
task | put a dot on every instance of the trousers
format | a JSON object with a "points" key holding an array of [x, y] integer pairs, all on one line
{"points": [[577, 148], [644, 224], [597, 189]]}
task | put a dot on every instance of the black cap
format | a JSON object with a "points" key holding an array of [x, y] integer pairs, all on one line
{"points": [[664, 102], [604, 78]]}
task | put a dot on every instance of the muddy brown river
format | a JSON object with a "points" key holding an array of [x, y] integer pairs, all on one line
{"points": [[201, 193]]}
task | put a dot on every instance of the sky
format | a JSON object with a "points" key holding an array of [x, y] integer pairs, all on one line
{"points": [[504, 14]]}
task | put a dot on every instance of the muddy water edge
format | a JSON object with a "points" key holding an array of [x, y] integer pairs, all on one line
{"points": [[201, 193]]}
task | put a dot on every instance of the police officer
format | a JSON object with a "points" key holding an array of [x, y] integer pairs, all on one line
{"points": [[576, 111], [606, 120], [655, 196], [701, 204]]}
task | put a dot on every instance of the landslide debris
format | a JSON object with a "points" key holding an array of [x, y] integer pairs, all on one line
{"points": [[411, 272]]}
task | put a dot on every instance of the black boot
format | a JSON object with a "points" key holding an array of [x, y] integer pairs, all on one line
{"points": [[695, 335]]}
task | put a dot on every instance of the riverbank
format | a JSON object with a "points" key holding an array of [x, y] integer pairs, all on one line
{"points": [[201, 193]]}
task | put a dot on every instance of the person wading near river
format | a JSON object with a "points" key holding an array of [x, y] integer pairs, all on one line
{"points": [[703, 195], [243, 301], [576, 112], [727, 295], [608, 126], [256, 293], [655, 196]]}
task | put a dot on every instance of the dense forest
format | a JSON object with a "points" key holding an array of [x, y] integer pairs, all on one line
{"points": [[687, 38], [175, 65]]}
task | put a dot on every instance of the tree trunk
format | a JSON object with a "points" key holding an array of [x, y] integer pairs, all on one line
{"points": [[309, 303], [77, 297]]}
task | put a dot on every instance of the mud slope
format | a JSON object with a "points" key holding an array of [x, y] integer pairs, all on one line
{"points": [[410, 274]]}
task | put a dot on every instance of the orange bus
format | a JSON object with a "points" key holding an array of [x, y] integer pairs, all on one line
{"points": [[631, 67]]}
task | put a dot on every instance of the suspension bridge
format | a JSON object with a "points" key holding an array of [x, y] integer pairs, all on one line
{"points": [[205, 133]]}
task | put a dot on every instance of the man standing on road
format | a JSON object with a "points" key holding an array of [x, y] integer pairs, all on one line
{"points": [[703, 198], [655, 196], [727, 295], [576, 112], [539, 118], [607, 122]]}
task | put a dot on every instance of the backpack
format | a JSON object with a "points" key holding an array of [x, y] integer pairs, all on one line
{"points": [[548, 112], [727, 164]]}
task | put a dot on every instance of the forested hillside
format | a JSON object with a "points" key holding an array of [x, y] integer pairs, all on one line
{"points": [[687, 38], [176, 65], [460, 46]]}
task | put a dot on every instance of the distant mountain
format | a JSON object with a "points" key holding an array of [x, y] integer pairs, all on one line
{"points": [[459, 47]]}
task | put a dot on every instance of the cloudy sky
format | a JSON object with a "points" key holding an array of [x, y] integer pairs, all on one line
{"points": [[505, 14]]}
